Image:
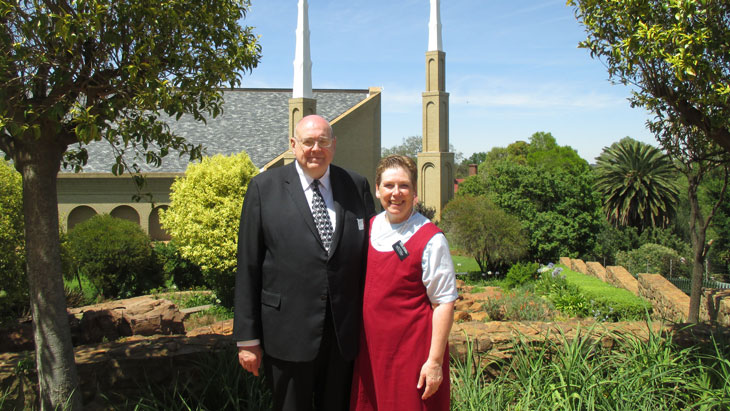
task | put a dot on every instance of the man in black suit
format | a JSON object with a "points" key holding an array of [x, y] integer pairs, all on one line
{"points": [[302, 247]]}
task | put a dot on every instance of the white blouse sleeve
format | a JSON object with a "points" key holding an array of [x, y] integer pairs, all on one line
{"points": [[439, 277]]}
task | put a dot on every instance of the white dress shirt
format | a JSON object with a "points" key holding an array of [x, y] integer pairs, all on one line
{"points": [[324, 187]]}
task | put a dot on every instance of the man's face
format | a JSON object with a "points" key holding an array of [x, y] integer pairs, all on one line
{"points": [[312, 133]]}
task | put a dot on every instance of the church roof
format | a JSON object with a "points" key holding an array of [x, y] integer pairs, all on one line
{"points": [[253, 120]]}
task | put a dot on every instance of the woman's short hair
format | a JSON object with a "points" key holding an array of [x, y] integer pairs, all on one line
{"points": [[397, 161]]}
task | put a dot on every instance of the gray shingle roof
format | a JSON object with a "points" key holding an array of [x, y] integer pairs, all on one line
{"points": [[253, 120]]}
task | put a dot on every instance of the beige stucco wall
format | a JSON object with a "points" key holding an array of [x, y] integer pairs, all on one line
{"points": [[358, 136], [105, 193]]}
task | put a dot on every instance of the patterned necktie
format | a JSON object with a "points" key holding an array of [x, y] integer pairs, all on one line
{"points": [[321, 216]]}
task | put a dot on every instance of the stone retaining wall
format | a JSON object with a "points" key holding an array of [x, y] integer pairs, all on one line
{"points": [[668, 301], [715, 306], [579, 266], [596, 269], [621, 278]]}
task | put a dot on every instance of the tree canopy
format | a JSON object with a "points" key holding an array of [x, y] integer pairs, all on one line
{"points": [[73, 72], [638, 184], [675, 53], [476, 225], [13, 288]]}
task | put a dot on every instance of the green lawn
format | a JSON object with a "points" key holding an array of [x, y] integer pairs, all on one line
{"points": [[592, 287], [463, 264]]}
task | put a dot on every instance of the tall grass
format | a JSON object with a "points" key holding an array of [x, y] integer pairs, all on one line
{"points": [[218, 383], [581, 374]]}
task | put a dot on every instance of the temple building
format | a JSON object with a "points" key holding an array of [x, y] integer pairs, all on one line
{"points": [[260, 122]]}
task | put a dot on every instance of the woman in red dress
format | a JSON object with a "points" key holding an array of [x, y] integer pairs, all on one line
{"points": [[408, 304]]}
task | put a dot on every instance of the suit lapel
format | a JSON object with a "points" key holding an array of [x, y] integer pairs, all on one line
{"points": [[338, 195], [294, 187]]}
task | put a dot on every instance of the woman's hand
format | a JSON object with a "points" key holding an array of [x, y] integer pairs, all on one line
{"points": [[432, 375]]}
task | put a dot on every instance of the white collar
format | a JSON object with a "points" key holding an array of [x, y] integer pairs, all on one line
{"points": [[306, 180]]}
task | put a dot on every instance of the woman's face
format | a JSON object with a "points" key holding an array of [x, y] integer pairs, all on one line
{"points": [[396, 194]]}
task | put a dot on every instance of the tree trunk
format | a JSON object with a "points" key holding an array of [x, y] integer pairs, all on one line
{"points": [[697, 233], [57, 376]]}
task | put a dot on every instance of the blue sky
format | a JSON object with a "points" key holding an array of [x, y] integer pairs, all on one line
{"points": [[512, 68]]}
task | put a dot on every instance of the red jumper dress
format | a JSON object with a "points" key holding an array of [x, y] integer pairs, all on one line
{"points": [[396, 333]]}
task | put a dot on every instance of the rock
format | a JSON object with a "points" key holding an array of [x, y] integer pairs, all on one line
{"points": [[122, 366], [221, 327], [461, 316], [480, 316], [18, 337], [477, 306], [145, 315], [463, 305], [108, 321]]}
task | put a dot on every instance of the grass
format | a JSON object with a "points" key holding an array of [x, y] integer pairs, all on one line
{"points": [[592, 287], [211, 315], [581, 374], [463, 264], [217, 383], [189, 299], [81, 293]]}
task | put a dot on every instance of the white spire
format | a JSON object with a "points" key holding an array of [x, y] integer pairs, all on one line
{"points": [[302, 60], [434, 28]]}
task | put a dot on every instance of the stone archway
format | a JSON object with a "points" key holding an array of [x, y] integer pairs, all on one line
{"points": [[126, 212], [79, 215], [157, 233]]}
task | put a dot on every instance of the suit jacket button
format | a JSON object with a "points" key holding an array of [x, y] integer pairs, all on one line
{"points": [[323, 297]]}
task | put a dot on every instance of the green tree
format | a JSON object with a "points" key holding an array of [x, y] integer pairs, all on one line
{"points": [[638, 184], [13, 285], [697, 157], [494, 238], [411, 146], [462, 169], [205, 206], [675, 54], [558, 209], [545, 152], [73, 72]]}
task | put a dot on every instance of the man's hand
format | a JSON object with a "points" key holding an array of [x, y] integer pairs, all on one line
{"points": [[432, 375], [250, 358]]}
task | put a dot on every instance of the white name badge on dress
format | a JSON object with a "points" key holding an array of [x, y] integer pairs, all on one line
{"points": [[360, 224]]}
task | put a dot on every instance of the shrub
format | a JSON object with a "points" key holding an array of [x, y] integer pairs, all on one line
{"points": [[203, 217], [183, 272], [653, 258], [485, 232], [520, 273], [115, 255], [13, 285], [426, 211], [526, 306]]}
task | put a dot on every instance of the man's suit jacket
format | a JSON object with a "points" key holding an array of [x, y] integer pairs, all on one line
{"points": [[285, 276]]}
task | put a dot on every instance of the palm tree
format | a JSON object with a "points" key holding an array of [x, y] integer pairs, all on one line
{"points": [[638, 184]]}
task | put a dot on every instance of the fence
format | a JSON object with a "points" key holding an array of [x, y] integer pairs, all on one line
{"points": [[684, 284]]}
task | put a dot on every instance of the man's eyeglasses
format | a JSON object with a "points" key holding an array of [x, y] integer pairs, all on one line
{"points": [[321, 142]]}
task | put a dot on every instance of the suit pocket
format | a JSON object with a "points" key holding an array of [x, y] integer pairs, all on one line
{"points": [[270, 299]]}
